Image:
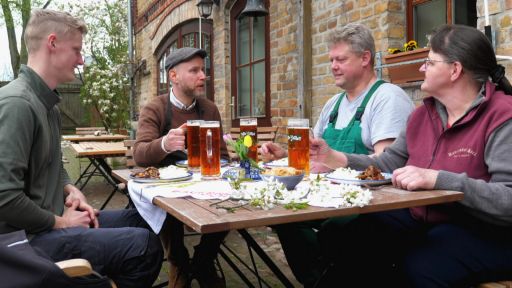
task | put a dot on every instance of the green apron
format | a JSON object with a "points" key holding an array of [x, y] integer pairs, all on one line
{"points": [[348, 139], [300, 240]]}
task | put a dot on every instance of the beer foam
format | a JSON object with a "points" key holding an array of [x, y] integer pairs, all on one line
{"points": [[210, 125]]}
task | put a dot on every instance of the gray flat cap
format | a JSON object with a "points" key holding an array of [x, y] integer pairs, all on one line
{"points": [[182, 55]]}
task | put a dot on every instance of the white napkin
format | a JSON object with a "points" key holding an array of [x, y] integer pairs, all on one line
{"points": [[142, 195]]}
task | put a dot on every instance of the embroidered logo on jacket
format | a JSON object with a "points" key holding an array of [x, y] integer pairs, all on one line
{"points": [[462, 152]]}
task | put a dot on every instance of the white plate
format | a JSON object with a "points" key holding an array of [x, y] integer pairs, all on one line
{"points": [[152, 180], [353, 181], [277, 163], [184, 163]]}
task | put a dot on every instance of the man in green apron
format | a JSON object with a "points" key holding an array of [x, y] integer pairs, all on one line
{"points": [[364, 119]]}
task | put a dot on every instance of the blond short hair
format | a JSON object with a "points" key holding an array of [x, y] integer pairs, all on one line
{"points": [[44, 22], [357, 35]]}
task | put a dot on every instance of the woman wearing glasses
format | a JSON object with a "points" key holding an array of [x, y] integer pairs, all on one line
{"points": [[460, 139]]}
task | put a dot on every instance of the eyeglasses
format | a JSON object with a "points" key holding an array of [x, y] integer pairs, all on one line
{"points": [[430, 62]]}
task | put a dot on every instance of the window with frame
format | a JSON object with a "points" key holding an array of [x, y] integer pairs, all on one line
{"points": [[421, 20], [186, 35], [250, 68]]}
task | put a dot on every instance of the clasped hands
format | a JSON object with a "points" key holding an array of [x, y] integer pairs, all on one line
{"points": [[78, 212]]}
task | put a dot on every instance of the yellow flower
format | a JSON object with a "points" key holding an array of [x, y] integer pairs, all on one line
{"points": [[411, 45], [247, 141]]}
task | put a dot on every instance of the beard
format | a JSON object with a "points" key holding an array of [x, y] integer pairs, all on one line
{"points": [[193, 92]]}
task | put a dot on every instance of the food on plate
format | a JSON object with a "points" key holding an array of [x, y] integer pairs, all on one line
{"points": [[150, 172], [279, 162], [371, 173], [345, 173], [172, 171], [282, 171]]}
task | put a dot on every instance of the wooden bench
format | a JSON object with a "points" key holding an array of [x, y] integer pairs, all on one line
{"points": [[130, 162], [265, 134]]}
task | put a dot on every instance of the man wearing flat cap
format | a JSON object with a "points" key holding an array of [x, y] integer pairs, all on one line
{"points": [[161, 142]]}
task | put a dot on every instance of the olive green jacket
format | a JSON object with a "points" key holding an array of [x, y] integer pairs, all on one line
{"points": [[32, 176]]}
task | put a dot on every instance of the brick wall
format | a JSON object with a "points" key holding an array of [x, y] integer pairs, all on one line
{"points": [[148, 39], [500, 19], [284, 53], [386, 19]]}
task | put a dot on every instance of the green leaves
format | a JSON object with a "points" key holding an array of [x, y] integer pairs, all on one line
{"points": [[241, 150], [296, 206]]}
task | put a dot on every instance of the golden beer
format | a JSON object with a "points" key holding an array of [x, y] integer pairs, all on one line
{"points": [[298, 144], [249, 128], [193, 146], [209, 138]]}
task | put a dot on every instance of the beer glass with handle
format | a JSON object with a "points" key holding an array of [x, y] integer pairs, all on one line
{"points": [[209, 137], [193, 146], [249, 133], [298, 144]]}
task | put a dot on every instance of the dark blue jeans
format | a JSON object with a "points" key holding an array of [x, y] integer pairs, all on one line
{"points": [[393, 248], [123, 248]]}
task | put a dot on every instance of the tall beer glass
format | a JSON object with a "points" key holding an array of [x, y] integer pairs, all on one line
{"points": [[209, 137], [249, 133], [298, 144], [193, 146]]}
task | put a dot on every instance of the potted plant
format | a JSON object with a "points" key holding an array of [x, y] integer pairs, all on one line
{"points": [[407, 72]]}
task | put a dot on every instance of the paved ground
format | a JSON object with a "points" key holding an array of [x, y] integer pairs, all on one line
{"points": [[97, 190]]}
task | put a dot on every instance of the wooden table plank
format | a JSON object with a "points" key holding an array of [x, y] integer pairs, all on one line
{"points": [[203, 218], [88, 138], [99, 149]]}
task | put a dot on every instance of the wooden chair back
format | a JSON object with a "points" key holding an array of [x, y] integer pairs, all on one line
{"points": [[500, 284], [130, 163], [89, 130], [265, 134]]}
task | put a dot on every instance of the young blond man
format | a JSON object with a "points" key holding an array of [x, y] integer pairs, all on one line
{"points": [[35, 187]]}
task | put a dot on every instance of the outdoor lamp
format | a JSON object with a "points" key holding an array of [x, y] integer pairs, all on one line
{"points": [[205, 8]]}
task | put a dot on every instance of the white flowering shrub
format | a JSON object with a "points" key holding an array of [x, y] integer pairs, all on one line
{"points": [[106, 79], [106, 89]]}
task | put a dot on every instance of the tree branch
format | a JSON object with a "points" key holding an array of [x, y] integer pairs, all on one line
{"points": [[11, 36]]}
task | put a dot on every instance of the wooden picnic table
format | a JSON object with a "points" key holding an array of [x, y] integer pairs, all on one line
{"points": [[97, 152], [203, 217], [99, 149], [88, 138]]}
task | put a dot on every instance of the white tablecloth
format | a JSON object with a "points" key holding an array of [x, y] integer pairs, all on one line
{"points": [[142, 195], [324, 195]]}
